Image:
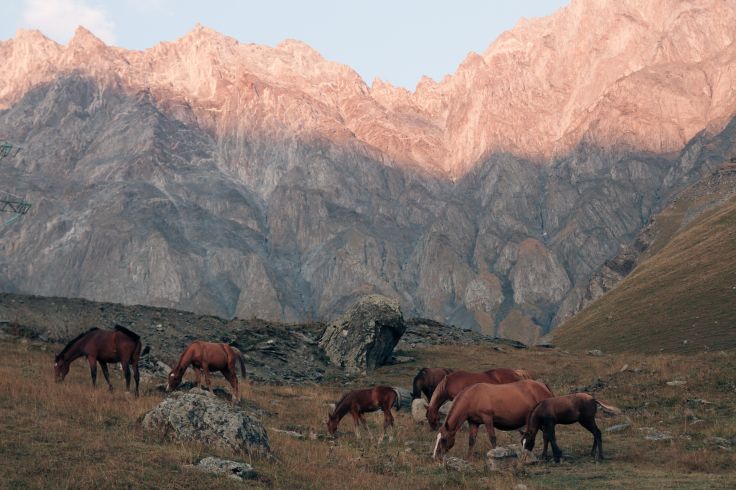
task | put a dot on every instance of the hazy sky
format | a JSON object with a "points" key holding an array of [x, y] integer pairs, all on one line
{"points": [[395, 40]]}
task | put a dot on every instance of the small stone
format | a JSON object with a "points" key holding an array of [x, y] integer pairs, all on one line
{"points": [[502, 452], [457, 464], [595, 352], [618, 427], [626, 366], [419, 410], [232, 469], [676, 382]]}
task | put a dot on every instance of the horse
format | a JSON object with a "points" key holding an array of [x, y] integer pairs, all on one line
{"points": [[455, 382], [358, 402], [502, 406], [103, 346], [578, 407], [427, 380], [208, 356]]}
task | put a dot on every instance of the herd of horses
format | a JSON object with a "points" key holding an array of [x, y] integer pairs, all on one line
{"points": [[500, 398]]}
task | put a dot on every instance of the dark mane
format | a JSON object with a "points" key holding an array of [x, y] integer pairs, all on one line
{"points": [[71, 342], [127, 332]]}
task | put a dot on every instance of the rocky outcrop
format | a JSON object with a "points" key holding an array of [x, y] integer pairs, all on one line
{"points": [[199, 416], [365, 336], [269, 182]]}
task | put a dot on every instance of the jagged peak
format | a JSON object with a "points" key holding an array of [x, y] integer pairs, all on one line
{"points": [[84, 38], [203, 33], [33, 35], [295, 46]]}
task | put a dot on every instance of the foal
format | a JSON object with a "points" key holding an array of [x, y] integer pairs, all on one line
{"points": [[209, 357], [358, 402], [578, 407]]}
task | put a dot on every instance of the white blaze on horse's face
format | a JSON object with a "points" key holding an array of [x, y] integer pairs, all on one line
{"points": [[436, 445], [523, 443]]}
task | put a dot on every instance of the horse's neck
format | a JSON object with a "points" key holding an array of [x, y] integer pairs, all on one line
{"points": [[532, 422], [439, 396], [342, 408], [184, 361], [74, 352], [455, 420]]}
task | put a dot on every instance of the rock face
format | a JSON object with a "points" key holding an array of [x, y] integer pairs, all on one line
{"points": [[365, 336], [270, 182], [199, 416]]}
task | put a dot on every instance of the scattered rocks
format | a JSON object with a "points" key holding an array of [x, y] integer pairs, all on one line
{"points": [[718, 441], [198, 416], [596, 385], [501, 452], [595, 353], [618, 427], [676, 383], [365, 336], [290, 433], [655, 435], [232, 469]]}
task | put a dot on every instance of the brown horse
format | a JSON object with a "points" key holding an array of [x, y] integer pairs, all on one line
{"points": [[103, 346], [427, 380], [578, 407], [503, 406], [358, 402], [455, 382], [208, 356]]}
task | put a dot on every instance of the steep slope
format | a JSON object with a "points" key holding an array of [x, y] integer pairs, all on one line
{"points": [[680, 296], [245, 180]]}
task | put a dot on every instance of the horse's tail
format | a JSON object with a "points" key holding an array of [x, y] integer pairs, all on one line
{"points": [[398, 399], [239, 356], [609, 409], [416, 391], [523, 374]]}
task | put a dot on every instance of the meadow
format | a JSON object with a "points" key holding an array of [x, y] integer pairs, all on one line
{"points": [[71, 436]]}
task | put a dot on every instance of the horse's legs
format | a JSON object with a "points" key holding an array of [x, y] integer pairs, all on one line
{"points": [[105, 372], [472, 435], [136, 377], [233, 380], [356, 423], [388, 422], [364, 423], [546, 443], [93, 370], [197, 376], [207, 379], [597, 439], [126, 371], [488, 421], [550, 430]]}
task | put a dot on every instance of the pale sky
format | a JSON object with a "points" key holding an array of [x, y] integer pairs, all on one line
{"points": [[395, 40]]}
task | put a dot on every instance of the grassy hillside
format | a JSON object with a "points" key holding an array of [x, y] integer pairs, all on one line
{"points": [[69, 436], [682, 295]]}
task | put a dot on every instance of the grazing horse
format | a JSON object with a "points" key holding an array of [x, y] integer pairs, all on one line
{"points": [[103, 346], [455, 382], [358, 402], [578, 407], [503, 406], [208, 356], [426, 381]]}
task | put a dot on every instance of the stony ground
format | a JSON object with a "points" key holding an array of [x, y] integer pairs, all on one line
{"points": [[679, 430]]}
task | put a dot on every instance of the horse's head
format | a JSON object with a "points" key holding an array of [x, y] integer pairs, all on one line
{"points": [[433, 417], [332, 420], [527, 441], [61, 368], [173, 380], [445, 441]]}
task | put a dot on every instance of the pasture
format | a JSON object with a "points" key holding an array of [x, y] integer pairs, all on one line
{"points": [[70, 436]]}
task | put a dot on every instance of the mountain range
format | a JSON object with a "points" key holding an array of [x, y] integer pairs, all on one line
{"points": [[254, 181]]}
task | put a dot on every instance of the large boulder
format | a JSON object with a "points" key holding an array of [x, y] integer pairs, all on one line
{"points": [[197, 415], [365, 336]]}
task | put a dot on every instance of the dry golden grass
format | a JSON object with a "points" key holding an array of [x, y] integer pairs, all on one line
{"points": [[679, 299], [69, 436]]}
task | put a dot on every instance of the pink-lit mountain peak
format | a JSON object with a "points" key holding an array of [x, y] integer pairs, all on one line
{"points": [[643, 74]]}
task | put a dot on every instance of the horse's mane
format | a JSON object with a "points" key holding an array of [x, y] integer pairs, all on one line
{"points": [[72, 341], [437, 390], [524, 374], [127, 332]]}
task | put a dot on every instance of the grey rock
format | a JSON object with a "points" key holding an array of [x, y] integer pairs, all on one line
{"points": [[365, 336], [419, 410], [501, 452], [199, 416], [595, 352], [457, 464], [232, 469], [405, 401]]}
